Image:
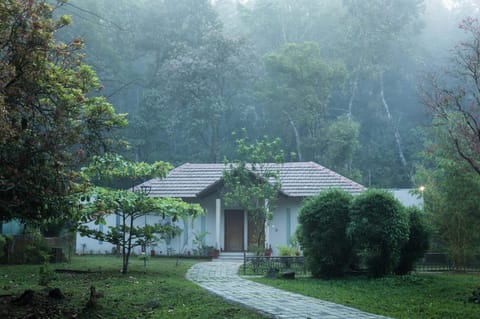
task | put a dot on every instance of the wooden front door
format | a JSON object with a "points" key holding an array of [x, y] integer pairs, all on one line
{"points": [[234, 230]]}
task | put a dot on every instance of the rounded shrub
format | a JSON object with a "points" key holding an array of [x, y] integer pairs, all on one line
{"points": [[418, 241], [322, 233], [379, 228]]}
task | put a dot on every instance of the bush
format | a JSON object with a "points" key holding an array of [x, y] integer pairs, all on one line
{"points": [[46, 274], [322, 233], [418, 241], [379, 229], [286, 251], [37, 251], [3, 245]]}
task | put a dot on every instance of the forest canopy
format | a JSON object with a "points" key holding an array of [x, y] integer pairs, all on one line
{"points": [[336, 81]]}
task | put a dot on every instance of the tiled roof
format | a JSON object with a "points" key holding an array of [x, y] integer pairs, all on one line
{"points": [[298, 179]]}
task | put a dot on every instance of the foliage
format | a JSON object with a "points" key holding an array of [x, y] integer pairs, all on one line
{"points": [[418, 241], [37, 251], [419, 296], [3, 246], [455, 103], [113, 170], [45, 274], [451, 200], [162, 292], [297, 90], [50, 118], [323, 221], [287, 251], [378, 45], [378, 228], [199, 240], [187, 79], [194, 87], [130, 206], [253, 183], [341, 145]]}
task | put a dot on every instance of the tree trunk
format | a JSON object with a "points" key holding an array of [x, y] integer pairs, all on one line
{"points": [[124, 241], [398, 139], [282, 21], [129, 248], [297, 137], [353, 94]]}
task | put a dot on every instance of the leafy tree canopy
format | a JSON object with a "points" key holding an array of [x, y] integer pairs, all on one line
{"points": [[252, 183], [130, 205], [456, 105], [451, 198], [50, 120]]}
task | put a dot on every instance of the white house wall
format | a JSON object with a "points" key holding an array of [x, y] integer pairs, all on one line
{"points": [[284, 222], [86, 245], [281, 228]]}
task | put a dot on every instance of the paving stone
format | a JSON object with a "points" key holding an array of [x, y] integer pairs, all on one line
{"points": [[222, 278]]}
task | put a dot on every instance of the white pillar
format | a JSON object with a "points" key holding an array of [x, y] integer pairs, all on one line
{"points": [[245, 227], [217, 222], [267, 224]]}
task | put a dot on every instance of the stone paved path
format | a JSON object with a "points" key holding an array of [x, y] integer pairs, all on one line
{"points": [[221, 278]]}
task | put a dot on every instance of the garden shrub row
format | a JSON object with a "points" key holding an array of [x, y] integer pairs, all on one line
{"points": [[340, 233]]}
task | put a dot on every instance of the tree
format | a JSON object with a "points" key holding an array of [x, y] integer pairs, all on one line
{"points": [[341, 146], [50, 118], [272, 24], [252, 183], [323, 222], [195, 76], [379, 229], [197, 98], [129, 205], [380, 56], [451, 199], [455, 103], [297, 91]]}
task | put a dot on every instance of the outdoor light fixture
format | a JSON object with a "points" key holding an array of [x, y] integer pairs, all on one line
{"points": [[146, 189]]}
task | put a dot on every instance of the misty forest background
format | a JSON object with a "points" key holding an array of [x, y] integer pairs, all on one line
{"points": [[338, 81]]}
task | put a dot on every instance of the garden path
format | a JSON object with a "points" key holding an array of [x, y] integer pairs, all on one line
{"points": [[222, 279]]}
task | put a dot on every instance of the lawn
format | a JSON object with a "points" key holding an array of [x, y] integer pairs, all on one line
{"points": [[424, 296], [161, 292]]}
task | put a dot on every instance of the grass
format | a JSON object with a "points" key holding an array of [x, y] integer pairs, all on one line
{"points": [[161, 292], [424, 296]]}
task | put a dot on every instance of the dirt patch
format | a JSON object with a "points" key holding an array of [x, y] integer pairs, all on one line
{"points": [[47, 303]]}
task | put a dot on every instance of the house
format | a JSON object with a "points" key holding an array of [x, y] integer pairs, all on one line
{"points": [[407, 197], [12, 227], [227, 227]]}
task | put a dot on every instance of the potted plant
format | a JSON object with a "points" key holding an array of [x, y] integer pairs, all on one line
{"points": [[216, 253], [268, 251]]}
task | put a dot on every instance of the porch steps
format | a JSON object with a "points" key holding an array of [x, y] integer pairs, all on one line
{"points": [[231, 256]]}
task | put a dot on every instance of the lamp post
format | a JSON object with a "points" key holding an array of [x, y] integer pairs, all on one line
{"points": [[422, 189]]}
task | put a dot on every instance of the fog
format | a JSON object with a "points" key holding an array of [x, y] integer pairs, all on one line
{"points": [[338, 81]]}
